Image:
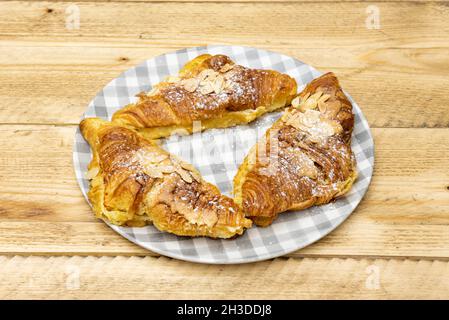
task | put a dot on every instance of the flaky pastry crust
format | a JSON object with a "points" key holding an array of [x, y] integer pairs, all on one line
{"points": [[305, 158], [135, 182], [209, 92]]}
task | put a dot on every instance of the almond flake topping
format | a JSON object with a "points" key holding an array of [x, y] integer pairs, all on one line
{"points": [[312, 101], [159, 157], [153, 172], [156, 164], [190, 84], [185, 175], [311, 121], [208, 81], [186, 166], [148, 156], [207, 74], [207, 88], [226, 68], [218, 84], [192, 171], [167, 169], [296, 102], [196, 176]]}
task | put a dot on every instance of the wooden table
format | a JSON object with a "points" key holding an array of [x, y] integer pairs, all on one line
{"points": [[395, 245]]}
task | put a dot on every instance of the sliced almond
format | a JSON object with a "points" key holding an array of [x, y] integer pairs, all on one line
{"points": [[185, 175], [159, 157], [330, 108], [153, 172], [207, 74], [317, 127], [190, 84], [296, 102], [306, 96], [218, 84], [294, 121], [186, 166], [322, 107], [316, 96], [192, 170], [324, 98], [149, 156], [166, 169], [310, 102], [206, 88], [195, 176], [226, 67], [322, 102]]}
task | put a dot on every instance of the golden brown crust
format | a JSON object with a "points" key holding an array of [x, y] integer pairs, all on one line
{"points": [[210, 89], [305, 158], [134, 182]]}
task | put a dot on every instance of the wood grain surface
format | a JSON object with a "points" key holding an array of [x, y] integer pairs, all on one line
{"points": [[156, 277], [394, 245]]}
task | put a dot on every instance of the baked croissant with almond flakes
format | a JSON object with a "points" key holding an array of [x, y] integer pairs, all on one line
{"points": [[305, 158], [209, 92], [134, 182]]}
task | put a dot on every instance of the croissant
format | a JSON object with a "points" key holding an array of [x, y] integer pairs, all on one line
{"points": [[304, 159], [135, 182], [209, 92]]}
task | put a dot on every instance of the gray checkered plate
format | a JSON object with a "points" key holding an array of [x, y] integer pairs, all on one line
{"points": [[218, 153]]}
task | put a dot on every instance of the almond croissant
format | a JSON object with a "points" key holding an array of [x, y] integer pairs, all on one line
{"points": [[135, 182], [210, 90], [305, 158]]}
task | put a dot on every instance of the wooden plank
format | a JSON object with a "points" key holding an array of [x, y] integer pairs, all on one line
{"points": [[394, 73], [162, 22], [403, 214], [238, 1], [38, 91], [162, 278]]}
